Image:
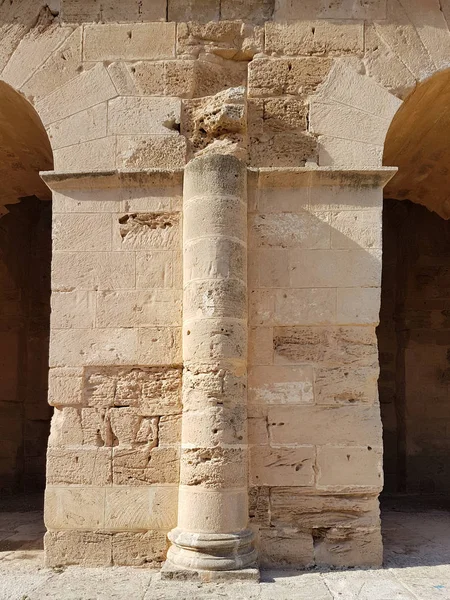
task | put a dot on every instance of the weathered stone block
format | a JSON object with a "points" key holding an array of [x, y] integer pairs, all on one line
{"points": [[145, 231], [213, 467], [73, 310], [314, 37], [87, 125], [351, 425], [93, 155], [93, 270], [159, 345], [281, 385], [228, 39], [90, 548], [74, 508], [147, 151], [153, 391], [143, 115], [65, 387], [282, 466], [82, 232], [193, 10], [138, 309], [348, 547], [260, 346], [349, 468], [137, 41], [291, 230], [285, 547], [275, 77], [139, 548], [145, 466], [259, 504], [82, 466], [89, 88]]}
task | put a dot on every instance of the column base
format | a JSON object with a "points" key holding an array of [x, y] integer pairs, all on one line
{"points": [[211, 556], [171, 572]]}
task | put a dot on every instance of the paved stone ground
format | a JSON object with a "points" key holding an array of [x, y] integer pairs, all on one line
{"points": [[417, 567]]}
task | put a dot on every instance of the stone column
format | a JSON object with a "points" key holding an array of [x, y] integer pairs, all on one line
{"points": [[212, 533]]}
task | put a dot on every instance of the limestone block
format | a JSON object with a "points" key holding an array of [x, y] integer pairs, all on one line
{"points": [[214, 426], [285, 547], [80, 466], [97, 428], [106, 200], [342, 468], [309, 306], [93, 270], [145, 231], [283, 150], [283, 114], [333, 345], [402, 36], [152, 199], [212, 340], [33, 50], [348, 547], [354, 228], [385, 66], [170, 430], [320, 425], [221, 298], [334, 120], [140, 508], [84, 126], [139, 548], [216, 122], [137, 41], [344, 85], [131, 430], [193, 10], [151, 151], [150, 390], [138, 309], [80, 347], [73, 310], [314, 37], [275, 77], [282, 466], [339, 152], [212, 386], [260, 346], [145, 10], [281, 385], [291, 230], [259, 505], [213, 468], [88, 89], [66, 428], [142, 77], [358, 306], [74, 508], [221, 512], [81, 232], [346, 384], [216, 214], [340, 198], [155, 269], [88, 548], [228, 39], [94, 155], [143, 115], [201, 77], [351, 268], [307, 511], [214, 258], [65, 387], [159, 345], [342, 9], [143, 467], [256, 11], [63, 65], [257, 428]]}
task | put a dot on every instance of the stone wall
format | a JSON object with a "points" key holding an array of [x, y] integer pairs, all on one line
{"points": [[25, 246], [304, 94], [414, 339]]}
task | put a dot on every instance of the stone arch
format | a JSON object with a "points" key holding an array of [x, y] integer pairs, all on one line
{"points": [[25, 256]]}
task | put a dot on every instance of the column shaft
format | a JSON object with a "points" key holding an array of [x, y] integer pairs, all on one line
{"points": [[212, 531]]}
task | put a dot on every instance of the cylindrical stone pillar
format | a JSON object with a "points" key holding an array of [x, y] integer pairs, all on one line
{"points": [[212, 532]]}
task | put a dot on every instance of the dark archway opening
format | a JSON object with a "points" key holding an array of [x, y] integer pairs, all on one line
{"points": [[25, 258], [414, 330]]}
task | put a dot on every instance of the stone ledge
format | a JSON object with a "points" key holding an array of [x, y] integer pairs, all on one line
{"points": [[297, 177], [60, 180]]}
